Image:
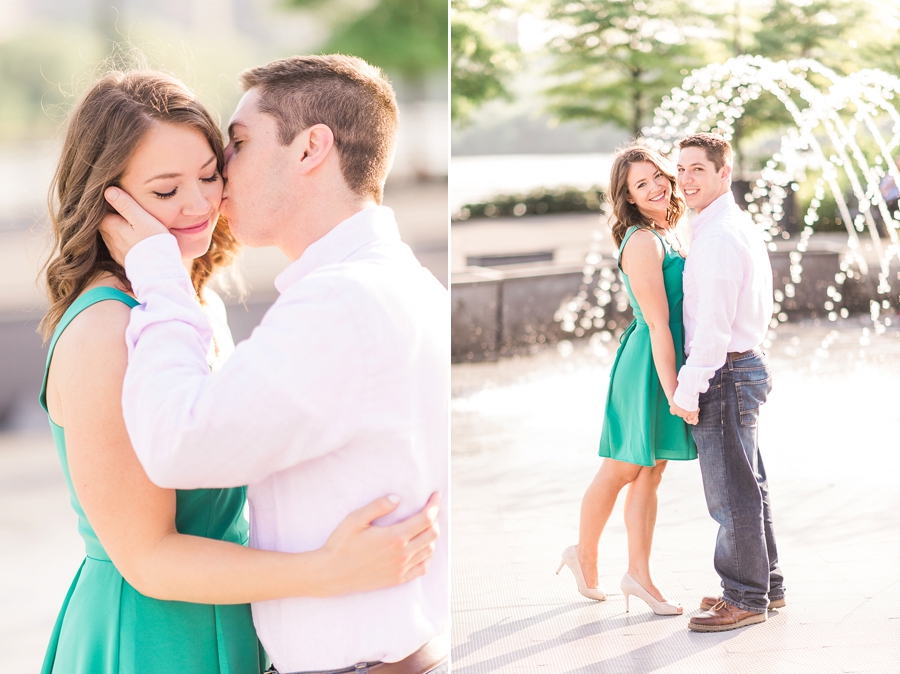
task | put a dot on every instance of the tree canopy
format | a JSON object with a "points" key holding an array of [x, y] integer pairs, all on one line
{"points": [[818, 29], [616, 60], [481, 62], [405, 37]]}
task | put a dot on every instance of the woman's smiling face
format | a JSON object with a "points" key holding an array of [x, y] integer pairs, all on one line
{"points": [[649, 190], [173, 176]]}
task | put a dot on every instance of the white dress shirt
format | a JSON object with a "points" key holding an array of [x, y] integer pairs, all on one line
{"points": [[340, 396], [222, 341], [727, 294]]}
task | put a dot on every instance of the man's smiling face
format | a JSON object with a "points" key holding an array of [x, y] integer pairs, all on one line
{"points": [[698, 178]]}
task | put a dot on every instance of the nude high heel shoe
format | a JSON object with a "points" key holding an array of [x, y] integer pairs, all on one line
{"points": [[631, 587], [570, 559]]}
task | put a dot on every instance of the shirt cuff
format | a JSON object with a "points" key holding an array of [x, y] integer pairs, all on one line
{"points": [[156, 258], [685, 400]]}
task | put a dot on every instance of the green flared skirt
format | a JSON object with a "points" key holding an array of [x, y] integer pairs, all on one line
{"points": [[107, 627], [638, 426]]}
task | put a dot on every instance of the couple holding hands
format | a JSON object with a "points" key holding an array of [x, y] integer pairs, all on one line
{"points": [[688, 380], [331, 419]]}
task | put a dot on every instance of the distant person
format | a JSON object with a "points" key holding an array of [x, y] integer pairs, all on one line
{"points": [[341, 395], [167, 576], [640, 434], [890, 191], [727, 308]]}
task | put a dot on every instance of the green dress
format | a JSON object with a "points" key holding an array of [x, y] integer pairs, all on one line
{"points": [[638, 427], [107, 627]]}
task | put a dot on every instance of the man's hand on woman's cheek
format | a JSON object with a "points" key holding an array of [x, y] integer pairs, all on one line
{"points": [[122, 231]]}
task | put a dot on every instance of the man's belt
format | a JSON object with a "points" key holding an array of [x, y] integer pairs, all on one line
{"points": [[740, 354], [422, 661]]}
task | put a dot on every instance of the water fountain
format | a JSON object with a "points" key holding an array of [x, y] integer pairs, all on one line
{"points": [[845, 130], [533, 424]]}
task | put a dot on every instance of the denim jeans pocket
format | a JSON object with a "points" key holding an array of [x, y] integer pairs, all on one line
{"points": [[751, 394]]}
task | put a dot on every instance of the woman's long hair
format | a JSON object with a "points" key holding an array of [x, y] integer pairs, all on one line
{"points": [[625, 214], [104, 130]]}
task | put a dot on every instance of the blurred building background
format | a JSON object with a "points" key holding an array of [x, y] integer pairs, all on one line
{"points": [[50, 50]]}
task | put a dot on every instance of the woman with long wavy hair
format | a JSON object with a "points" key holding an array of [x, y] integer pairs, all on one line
{"points": [[167, 578], [639, 433]]}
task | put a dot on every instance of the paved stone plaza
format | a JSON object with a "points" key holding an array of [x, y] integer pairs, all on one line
{"points": [[525, 433]]}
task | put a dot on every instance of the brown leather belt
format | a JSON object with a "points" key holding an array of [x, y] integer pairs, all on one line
{"points": [[422, 661]]}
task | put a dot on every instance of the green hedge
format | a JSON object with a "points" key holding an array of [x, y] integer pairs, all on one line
{"points": [[536, 202]]}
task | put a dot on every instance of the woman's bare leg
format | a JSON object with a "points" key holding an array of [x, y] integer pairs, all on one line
{"points": [[641, 504], [596, 507]]}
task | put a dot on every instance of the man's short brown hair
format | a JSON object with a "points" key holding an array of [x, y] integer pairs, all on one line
{"points": [[718, 150], [351, 97]]}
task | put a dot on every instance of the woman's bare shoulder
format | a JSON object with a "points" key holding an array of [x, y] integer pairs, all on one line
{"points": [[643, 237], [97, 331], [90, 356], [643, 245]]}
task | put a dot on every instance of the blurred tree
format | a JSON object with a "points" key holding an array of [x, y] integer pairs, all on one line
{"points": [[36, 71], [815, 29], [875, 40], [617, 59], [882, 54], [792, 29], [407, 38], [481, 62], [45, 69]]}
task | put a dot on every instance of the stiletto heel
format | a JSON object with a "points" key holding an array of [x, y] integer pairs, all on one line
{"points": [[631, 587], [570, 559]]}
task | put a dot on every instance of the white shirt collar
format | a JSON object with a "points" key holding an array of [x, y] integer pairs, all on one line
{"points": [[370, 224], [720, 204]]}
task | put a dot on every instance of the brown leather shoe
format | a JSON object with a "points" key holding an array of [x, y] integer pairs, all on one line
{"points": [[708, 602], [723, 617]]}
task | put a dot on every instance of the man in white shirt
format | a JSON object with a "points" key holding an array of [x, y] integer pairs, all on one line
{"points": [[340, 396], [724, 382]]}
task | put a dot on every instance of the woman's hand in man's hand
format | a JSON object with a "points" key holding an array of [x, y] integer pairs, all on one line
{"points": [[122, 231], [360, 556], [689, 417]]}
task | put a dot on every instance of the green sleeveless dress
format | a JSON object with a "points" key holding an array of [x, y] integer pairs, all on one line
{"points": [[638, 427], [107, 627]]}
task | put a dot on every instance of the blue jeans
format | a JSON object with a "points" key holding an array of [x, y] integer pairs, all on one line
{"points": [[734, 480]]}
